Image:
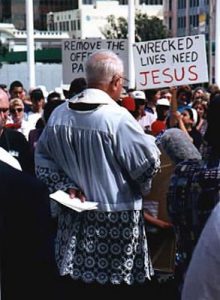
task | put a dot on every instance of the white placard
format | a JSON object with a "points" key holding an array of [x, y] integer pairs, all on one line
{"points": [[170, 62], [76, 51]]}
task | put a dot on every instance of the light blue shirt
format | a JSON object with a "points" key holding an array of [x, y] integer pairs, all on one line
{"points": [[104, 152]]}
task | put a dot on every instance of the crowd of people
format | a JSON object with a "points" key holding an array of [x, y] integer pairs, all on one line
{"points": [[149, 159]]}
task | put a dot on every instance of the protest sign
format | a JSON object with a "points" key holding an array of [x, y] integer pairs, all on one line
{"points": [[170, 62], [76, 51]]}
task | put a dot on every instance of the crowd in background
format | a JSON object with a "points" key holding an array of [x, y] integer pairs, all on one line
{"points": [[178, 117]]}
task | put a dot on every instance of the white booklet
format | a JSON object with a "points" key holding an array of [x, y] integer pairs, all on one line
{"points": [[73, 203]]}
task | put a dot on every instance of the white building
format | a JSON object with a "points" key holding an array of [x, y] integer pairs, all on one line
{"points": [[16, 40], [89, 20]]}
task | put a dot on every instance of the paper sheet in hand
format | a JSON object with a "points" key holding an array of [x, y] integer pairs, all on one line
{"points": [[74, 203]]}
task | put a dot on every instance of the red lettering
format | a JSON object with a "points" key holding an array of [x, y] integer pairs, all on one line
{"points": [[145, 77], [165, 73], [182, 76], [190, 71], [155, 76], [168, 75]]}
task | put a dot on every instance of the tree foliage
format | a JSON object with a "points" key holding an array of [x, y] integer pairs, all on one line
{"points": [[146, 28]]}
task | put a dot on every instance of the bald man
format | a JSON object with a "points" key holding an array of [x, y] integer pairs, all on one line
{"points": [[12, 141]]}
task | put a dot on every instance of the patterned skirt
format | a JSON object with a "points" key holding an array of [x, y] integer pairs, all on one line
{"points": [[103, 247]]}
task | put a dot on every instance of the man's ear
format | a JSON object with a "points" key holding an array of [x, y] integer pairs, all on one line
{"points": [[115, 82]]}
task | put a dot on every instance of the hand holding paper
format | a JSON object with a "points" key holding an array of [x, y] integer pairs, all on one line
{"points": [[75, 203]]}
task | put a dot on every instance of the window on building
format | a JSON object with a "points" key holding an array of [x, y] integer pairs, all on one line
{"points": [[67, 26], [181, 22], [181, 4], [170, 23], [151, 2], [88, 2], [72, 25], [170, 4], [78, 25], [194, 3]]}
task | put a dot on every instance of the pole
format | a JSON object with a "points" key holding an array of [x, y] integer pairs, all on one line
{"points": [[131, 40], [217, 44], [210, 40], [30, 43]]}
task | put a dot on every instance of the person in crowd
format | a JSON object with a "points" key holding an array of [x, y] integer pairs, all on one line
{"points": [[184, 117], [53, 96], [194, 191], [175, 147], [38, 101], [16, 90], [129, 103], [77, 85], [19, 123], [141, 116], [187, 121], [93, 145], [152, 96], [202, 276], [213, 88], [201, 106], [34, 134], [183, 97], [13, 141], [27, 263], [198, 93], [160, 124], [166, 93]]}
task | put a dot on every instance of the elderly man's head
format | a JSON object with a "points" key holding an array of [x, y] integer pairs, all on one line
{"points": [[4, 108], [104, 70]]}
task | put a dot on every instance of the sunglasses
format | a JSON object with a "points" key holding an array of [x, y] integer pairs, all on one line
{"points": [[13, 110], [4, 110]]}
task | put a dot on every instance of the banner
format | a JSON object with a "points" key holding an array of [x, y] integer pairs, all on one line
{"points": [[170, 62], [76, 51]]}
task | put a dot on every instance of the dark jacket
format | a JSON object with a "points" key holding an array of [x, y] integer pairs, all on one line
{"points": [[16, 144], [28, 267]]}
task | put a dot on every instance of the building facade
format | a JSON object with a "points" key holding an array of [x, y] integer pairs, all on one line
{"points": [[191, 17], [13, 11], [90, 19]]}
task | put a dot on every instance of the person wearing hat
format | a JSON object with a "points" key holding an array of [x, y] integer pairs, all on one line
{"points": [[142, 117], [162, 108]]}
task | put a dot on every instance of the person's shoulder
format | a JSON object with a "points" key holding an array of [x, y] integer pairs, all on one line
{"points": [[20, 178], [14, 134]]}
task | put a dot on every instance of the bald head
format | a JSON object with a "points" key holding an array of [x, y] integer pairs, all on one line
{"points": [[3, 95], [104, 71], [4, 108], [101, 66]]}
